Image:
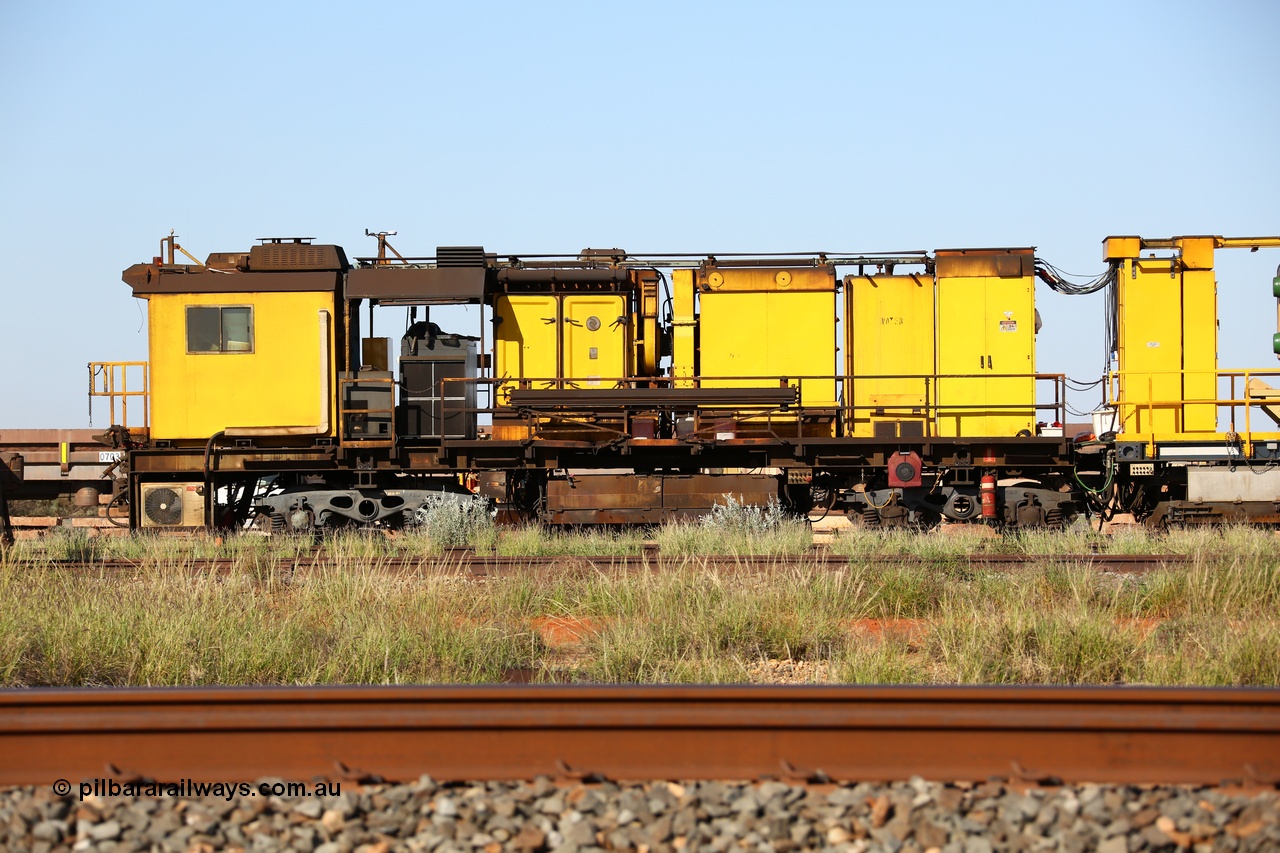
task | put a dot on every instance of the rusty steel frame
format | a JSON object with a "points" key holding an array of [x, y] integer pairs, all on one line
{"points": [[53, 462], [600, 498], [6, 523], [1036, 734]]}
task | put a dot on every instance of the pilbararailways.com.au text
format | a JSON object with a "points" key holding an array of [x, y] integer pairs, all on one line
{"points": [[191, 788]]}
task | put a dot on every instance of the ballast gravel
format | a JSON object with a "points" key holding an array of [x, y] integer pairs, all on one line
{"points": [[909, 817]]}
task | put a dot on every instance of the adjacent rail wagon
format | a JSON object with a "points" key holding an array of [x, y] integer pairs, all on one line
{"points": [[606, 387]]}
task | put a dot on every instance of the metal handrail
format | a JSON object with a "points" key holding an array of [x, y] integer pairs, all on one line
{"points": [[1127, 409], [115, 385], [764, 414], [343, 411]]}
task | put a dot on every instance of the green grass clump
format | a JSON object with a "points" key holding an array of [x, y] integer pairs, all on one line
{"points": [[537, 541], [164, 626], [739, 529], [1212, 621], [452, 521]]}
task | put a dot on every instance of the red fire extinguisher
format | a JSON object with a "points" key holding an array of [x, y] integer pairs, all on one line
{"points": [[987, 487]]}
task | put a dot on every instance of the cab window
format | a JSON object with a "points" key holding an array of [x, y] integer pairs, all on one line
{"points": [[219, 328]]}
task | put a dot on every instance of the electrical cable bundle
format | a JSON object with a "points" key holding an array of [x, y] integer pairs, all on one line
{"points": [[1062, 281]]}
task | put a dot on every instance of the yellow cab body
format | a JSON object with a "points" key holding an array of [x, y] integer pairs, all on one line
{"points": [[254, 360]]}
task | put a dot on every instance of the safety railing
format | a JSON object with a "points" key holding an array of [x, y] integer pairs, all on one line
{"points": [[121, 381], [504, 385], [1245, 402], [930, 398], [754, 402], [763, 405]]}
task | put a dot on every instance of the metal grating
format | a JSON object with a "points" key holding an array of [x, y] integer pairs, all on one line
{"points": [[295, 256], [460, 256]]}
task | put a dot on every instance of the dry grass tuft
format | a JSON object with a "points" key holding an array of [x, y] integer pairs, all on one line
{"points": [[1215, 621]]}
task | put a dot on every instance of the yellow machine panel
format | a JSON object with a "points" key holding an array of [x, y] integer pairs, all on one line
{"points": [[890, 334], [527, 337], [597, 339], [986, 347], [765, 279], [1168, 341], [223, 361], [1200, 346], [760, 336], [684, 328]]}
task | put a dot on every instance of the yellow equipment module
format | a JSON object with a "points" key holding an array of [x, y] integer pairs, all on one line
{"points": [[985, 342], [757, 326], [583, 339], [1167, 347], [221, 361], [575, 340], [889, 353]]}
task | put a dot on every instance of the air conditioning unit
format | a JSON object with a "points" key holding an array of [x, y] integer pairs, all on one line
{"points": [[172, 505]]}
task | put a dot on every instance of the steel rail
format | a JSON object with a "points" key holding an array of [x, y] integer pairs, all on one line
{"points": [[465, 561], [1034, 734]]}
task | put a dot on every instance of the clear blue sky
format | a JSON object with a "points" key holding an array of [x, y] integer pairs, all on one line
{"points": [[655, 127]]}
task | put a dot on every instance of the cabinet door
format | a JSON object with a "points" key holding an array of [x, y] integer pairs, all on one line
{"points": [[526, 339], [1010, 335], [890, 348], [596, 340], [986, 332], [962, 356]]}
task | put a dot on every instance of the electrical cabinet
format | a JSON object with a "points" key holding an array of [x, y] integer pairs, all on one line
{"points": [[1168, 341], [436, 399], [582, 338], [986, 342]]}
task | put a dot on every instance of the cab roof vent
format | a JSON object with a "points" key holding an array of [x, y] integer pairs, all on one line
{"points": [[277, 255]]}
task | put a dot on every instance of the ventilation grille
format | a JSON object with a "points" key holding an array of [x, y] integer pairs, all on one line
{"points": [[172, 505], [163, 506], [284, 257], [460, 256]]}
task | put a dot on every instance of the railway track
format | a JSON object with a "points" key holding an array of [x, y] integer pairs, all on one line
{"points": [[466, 561], [1048, 735]]}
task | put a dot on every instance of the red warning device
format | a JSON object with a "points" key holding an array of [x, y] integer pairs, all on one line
{"points": [[904, 470]]}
